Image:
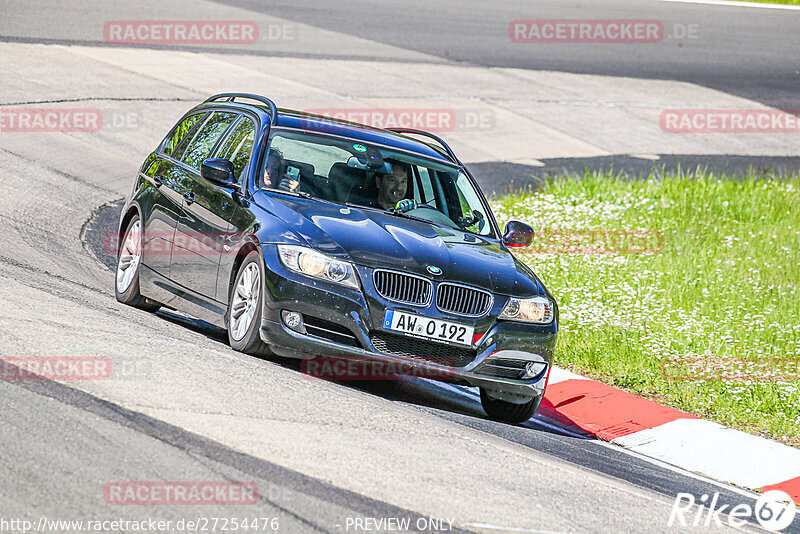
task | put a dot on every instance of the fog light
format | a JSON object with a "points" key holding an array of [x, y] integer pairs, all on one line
{"points": [[294, 321], [533, 369]]}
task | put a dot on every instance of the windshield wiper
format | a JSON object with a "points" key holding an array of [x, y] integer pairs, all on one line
{"points": [[390, 211], [398, 213], [359, 206]]}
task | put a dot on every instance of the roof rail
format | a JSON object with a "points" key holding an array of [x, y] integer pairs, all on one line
{"points": [[431, 136], [273, 109]]}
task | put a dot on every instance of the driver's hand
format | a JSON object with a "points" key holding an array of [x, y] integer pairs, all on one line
{"points": [[287, 184], [407, 204]]}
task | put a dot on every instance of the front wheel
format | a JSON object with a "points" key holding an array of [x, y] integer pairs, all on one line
{"points": [[509, 412], [245, 308]]}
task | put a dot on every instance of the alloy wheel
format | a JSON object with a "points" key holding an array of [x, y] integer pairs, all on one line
{"points": [[245, 301], [129, 257]]}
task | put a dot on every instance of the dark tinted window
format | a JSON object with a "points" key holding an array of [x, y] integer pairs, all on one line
{"points": [[180, 132], [239, 145], [199, 148]]}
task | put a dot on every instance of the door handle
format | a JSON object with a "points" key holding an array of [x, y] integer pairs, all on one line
{"points": [[189, 196]]}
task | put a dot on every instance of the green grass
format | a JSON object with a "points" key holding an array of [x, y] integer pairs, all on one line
{"points": [[785, 2], [709, 322]]}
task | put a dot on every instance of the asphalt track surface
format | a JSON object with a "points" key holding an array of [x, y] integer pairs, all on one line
{"points": [[749, 52], [746, 51], [321, 453]]}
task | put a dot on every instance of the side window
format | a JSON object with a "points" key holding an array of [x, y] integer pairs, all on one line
{"points": [[180, 132], [239, 145], [199, 148]]}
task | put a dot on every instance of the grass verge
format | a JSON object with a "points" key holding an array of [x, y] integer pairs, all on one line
{"points": [[784, 2], [703, 313]]}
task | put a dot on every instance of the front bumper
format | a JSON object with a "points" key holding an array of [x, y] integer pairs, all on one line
{"points": [[360, 312]]}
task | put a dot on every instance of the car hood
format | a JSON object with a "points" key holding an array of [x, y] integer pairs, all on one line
{"points": [[377, 239]]}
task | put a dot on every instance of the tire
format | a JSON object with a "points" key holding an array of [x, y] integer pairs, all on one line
{"points": [[509, 412], [246, 308], [126, 277]]}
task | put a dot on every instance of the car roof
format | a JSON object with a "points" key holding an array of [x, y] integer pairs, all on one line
{"points": [[290, 118]]}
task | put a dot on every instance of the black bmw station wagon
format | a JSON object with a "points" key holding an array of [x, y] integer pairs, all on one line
{"points": [[303, 235]]}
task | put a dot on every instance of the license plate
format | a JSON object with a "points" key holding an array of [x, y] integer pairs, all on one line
{"points": [[429, 328]]}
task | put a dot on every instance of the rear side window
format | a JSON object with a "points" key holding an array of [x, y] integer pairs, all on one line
{"points": [[239, 145], [180, 131], [199, 148]]}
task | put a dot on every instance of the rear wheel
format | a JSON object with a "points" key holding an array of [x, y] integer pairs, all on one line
{"points": [[245, 308], [129, 256], [509, 412]]}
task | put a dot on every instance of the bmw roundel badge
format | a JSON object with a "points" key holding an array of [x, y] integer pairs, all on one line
{"points": [[434, 270]]}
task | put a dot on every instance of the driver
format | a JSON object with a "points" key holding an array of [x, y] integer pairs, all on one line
{"points": [[392, 188], [278, 174]]}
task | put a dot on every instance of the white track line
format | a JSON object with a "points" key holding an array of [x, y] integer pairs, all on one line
{"points": [[734, 3], [675, 469], [719, 452], [510, 529]]}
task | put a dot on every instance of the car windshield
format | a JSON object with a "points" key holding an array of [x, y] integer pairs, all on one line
{"points": [[359, 174]]}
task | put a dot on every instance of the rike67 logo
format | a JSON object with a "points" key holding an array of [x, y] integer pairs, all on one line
{"points": [[774, 511]]}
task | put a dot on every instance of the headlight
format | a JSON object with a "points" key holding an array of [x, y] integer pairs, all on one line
{"points": [[316, 264], [534, 310]]}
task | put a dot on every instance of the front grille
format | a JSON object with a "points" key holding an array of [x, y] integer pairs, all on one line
{"points": [[463, 300], [417, 349], [402, 287], [330, 331], [503, 368]]}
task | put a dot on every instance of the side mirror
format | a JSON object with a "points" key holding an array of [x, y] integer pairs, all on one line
{"points": [[517, 234], [219, 171]]}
